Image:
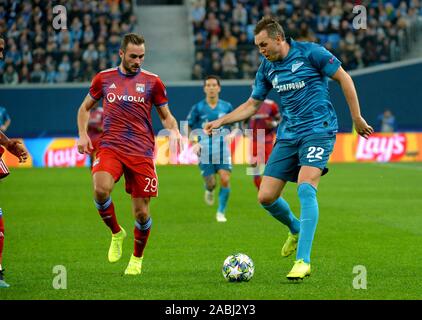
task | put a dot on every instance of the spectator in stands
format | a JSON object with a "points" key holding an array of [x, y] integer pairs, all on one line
{"points": [[37, 75], [197, 72], [229, 65], [10, 76], [197, 13], [76, 73], [387, 121], [24, 76], [90, 54], [51, 74], [228, 41]]}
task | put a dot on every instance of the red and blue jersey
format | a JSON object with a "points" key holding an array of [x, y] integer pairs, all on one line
{"points": [[127, 104], [267, 113]]}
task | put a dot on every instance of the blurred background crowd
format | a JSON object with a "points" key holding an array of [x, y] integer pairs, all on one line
{"points": [[37, 53], [222, 32], [224, 39]]}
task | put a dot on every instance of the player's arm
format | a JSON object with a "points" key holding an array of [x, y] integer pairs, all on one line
{"points": [[348, 87], [244, 111], [84, 142], [169, 122], [14, 146], [167, 119]]}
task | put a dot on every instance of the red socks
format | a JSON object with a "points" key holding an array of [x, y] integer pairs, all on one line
{"points": [[106, 211], [141, 237]]}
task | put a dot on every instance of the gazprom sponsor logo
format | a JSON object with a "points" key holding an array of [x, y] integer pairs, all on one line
{"points": [[111, 97], [288, 86]]}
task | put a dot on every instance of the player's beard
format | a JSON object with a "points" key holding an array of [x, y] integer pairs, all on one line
{"points": [[130, 68]]}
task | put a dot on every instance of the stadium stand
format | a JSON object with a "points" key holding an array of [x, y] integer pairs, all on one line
{"points": [[222, 35], [37, 53], [223, 31]]}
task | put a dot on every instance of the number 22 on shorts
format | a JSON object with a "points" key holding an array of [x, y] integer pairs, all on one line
{"points": [[315, 153]]}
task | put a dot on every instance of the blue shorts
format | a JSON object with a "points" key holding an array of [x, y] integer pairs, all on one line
{"points": [[209, 169], [211, 162], [289, 155]]}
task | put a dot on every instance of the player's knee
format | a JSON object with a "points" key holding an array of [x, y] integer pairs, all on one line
{"points": [[266, 198], [225, 181], [141, 214], [210, 183], [101, 193]]}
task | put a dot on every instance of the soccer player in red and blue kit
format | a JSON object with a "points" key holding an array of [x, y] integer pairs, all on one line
{"points": [[127, 143], [16, 148], [266, 119]]}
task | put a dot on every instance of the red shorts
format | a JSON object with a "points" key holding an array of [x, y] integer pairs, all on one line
{"points": [[268, 149], [140, 175], [4, 170]]}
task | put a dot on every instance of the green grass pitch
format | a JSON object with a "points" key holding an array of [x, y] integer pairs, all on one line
{"points": [[370, 215]]}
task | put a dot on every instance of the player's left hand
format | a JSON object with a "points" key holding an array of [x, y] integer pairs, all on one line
{"points": [[16, 148], [362, 128], [176, 141]]}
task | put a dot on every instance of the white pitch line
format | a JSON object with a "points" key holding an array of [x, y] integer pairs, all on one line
{"points": [[399, 166]]}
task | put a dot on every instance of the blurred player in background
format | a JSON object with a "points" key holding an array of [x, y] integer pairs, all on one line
{"points": [[16, 148], [95, 129], [127, 143], [298, 71], [266, 119], [4, 119], [214, 154]]}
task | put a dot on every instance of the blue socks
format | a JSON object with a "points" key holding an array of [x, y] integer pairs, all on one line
{"points": [[223, 196], [308, 220], [280, 210]]}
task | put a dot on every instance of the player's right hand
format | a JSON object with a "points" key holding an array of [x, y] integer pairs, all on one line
{"points": [[16, 148], [212, 125], [85, 145]]}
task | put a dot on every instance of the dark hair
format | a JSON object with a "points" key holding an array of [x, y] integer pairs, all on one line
{"points": [[211, 76], [131, 38], [272, 27]]}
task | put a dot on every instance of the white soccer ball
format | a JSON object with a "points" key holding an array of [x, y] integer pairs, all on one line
{"points": [[238, 267]]}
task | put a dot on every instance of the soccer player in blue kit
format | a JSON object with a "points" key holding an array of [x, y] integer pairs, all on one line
{"points": [[214, 153], [298, 71]]}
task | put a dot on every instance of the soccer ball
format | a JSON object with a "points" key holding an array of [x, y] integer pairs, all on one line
{"points": [[238, 267]]}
